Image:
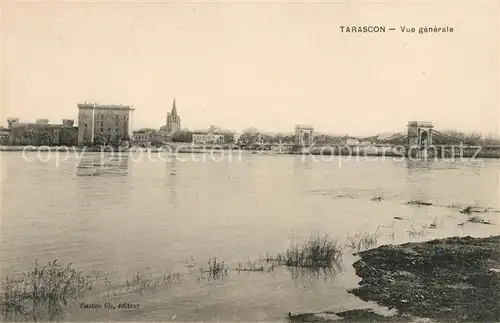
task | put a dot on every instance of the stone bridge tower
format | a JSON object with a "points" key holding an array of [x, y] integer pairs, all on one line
{"points": [[303, 135], [419, 134]]}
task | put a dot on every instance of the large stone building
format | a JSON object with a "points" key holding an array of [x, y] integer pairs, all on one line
{"points": [[104, 124], [41, 133], [173, 121]]}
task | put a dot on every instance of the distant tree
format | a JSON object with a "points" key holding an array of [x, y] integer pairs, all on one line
{"points": [[489, 140], [68, 137], [126, 136], [44, 139], [289, 139], [371, 139], [265, 138], [182, 136], [250, 137], [453, 137], [117, 139], [28, 138], [4, 140], [398, 140], [474, 138], [228, 137], [100, 140], [150, 130], [277, 138], [325, 139]]}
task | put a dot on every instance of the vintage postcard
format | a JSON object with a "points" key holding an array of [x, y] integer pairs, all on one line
{"points": [[250, 161]]}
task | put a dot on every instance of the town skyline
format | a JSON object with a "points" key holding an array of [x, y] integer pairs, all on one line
{"points": [[211, 127], [267, 65]]}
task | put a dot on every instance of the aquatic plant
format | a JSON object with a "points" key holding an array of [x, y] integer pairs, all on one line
{"points": [[43, 291], [434, 224], [474, 209], [216, 269], [191, 263], [360, 241], [315, 252], [419, 202], [477, 219], [413, 231], [250, 266], [141, 282]]}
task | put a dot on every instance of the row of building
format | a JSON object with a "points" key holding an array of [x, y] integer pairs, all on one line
{"points": [[39, 133], [112, 125], [99, 124], [106, 124], [172, 131]]}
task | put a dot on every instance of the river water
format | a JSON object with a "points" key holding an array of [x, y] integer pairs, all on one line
{"points": [[119, 215]]}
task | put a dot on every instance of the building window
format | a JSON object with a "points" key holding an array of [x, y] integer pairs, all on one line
{"points": [[109, 129], [85, 125], [101, 116], [85, 118], [101, 130]]}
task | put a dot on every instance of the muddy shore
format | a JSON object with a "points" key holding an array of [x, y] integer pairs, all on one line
{"points": [[446, 280]]}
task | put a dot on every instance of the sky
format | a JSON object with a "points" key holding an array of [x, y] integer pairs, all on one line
{"points": [[268, 65]]}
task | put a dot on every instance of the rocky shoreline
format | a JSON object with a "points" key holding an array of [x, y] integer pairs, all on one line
{"points": [[447, 280]]}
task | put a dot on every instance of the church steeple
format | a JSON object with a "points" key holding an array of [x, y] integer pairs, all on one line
{"points": [[173, 120], [174, 109]]}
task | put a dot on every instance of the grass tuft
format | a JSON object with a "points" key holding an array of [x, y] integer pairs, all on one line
{"points": [[315, 252], [216, 269], [361, 241], [44, 290]]}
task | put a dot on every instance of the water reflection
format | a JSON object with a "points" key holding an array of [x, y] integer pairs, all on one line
{"points": [[305, 277], [415, 165], [303, 162], [445, 164], [103, 165], [51, 311], [101, 201], [171, 181]]}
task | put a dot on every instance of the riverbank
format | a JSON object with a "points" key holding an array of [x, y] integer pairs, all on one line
{"points": [[452, 279], [368, 151]]}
